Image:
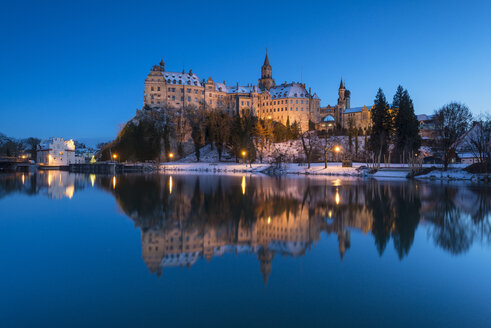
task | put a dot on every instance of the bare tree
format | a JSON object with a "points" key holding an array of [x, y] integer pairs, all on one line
{"points": [[327, 142], [308, 142], [451, 122], [219, 126], [196, 118], [478, 139]]}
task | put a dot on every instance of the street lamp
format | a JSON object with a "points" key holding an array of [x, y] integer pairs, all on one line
{"points": [[244, 153], [171, 156], [115, 156], [337, 149]]}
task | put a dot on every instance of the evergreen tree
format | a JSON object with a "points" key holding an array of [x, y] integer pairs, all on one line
{"points": [[381, 128], [406, 135]]}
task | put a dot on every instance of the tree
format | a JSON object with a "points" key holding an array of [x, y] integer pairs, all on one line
{"points": [[381, 128], [243, 135], [263, 136], [181, 128], [219, 125], [197, 121], [327, 142], [308, 141], [478, 140], [33, 144], [451, 122], [406, 135]]}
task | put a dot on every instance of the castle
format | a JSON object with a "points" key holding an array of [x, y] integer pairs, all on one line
{"points": [[286, 102]]}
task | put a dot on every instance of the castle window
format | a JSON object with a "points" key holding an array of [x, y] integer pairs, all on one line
{"points": [[195, 92], [173, 97], [296, 101], [158, 88], [152, 89], [189, 90], [189, 98], [182, 90]]}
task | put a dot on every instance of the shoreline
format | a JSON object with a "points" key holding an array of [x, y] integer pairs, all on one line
{"points": [[358, 170]]}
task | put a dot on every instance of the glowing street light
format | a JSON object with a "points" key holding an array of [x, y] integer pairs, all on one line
{"points": [[171, 155], [115, 156], [244, 153], [337, 149]]}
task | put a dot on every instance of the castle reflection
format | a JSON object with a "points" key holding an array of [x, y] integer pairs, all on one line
{"points": [[185, 218]]}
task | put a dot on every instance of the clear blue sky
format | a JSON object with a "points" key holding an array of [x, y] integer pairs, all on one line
{"points": [[76, 68]]}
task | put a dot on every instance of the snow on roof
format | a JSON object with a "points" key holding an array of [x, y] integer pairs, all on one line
{"points": [[182, 78], [233, 89], [355, 109], [292, 90]]}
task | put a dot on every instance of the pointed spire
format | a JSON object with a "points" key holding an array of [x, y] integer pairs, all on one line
{"points": [[341, 84], [266, 59]]}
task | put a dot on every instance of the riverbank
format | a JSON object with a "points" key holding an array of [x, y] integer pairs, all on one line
{"points": [[394, 171]]}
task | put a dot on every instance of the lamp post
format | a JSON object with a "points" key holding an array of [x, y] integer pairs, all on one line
{"points": [[337, 149], [244, 154], [115, 156], [171, 156]]}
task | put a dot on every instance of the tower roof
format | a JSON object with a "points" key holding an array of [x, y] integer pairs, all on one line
{"points": [[266, 60], [341, 84]]}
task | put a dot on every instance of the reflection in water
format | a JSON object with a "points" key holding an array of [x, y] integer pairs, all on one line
{"points": [[54, 184], [184, 218]]}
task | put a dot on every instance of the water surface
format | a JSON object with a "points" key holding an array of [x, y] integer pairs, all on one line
{"points": [[242, 251]]}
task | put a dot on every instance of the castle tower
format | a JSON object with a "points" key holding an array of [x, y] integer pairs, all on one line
{"points": [[343, 103], [266, 81]]}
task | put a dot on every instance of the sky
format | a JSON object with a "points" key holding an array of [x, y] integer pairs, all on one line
{"points": [[76, 69]]}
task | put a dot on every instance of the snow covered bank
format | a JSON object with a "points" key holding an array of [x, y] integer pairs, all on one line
{"points": [[290, 168], [453, 174]]}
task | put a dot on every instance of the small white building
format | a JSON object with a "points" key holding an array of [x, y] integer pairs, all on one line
{"points": [[57, 152]]}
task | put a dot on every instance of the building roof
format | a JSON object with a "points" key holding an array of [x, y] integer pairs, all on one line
{"points": [[292, 90], [182, 78], [328, 118], [424, 117], [355, 109], [233, 89]]}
